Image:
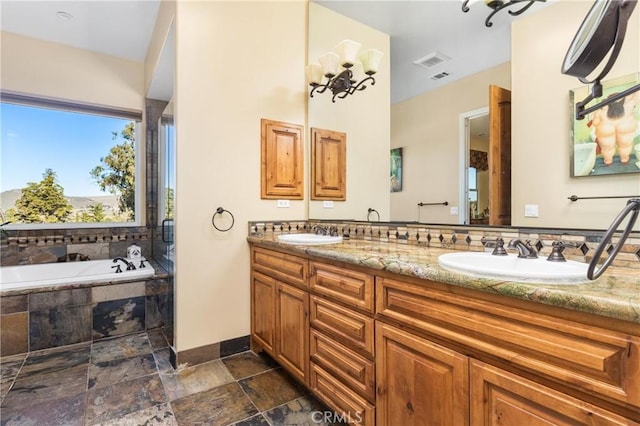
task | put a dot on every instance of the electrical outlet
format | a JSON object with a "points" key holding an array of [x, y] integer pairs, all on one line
{"points": [[284, 204], [531, 210], [327, 204], [454, 210]]}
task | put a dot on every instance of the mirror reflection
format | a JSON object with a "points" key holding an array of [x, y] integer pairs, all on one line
{"points": [[430, 125]]}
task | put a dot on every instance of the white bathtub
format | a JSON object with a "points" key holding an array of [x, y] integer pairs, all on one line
{"points": [[52, 274]]}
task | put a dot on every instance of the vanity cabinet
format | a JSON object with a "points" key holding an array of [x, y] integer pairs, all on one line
{"points": [[280, 309], [525, 365], [386, 349], [419, 382]]}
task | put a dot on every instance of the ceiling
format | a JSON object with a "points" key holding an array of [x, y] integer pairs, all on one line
{"points": [[420, 27], [118, 28], [416, 28]]}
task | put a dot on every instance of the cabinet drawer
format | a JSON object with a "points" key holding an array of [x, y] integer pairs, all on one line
{"points": [[591, 359], [353, 288], [353, 369], [351, 407], [283, 267], [499, 397], [346, 326]]}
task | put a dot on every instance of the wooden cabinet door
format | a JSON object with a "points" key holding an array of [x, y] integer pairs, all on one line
{"points": [[282, 160], [263, 293], [419, 382], [328, 165], [501, 398], [292, 330]]}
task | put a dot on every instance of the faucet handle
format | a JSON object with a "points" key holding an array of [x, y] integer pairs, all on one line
{"points": [[557, 247], [118, 270]]}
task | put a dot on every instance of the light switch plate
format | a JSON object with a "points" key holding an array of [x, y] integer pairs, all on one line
{"points": [[531, 210], [284, 204], [327, 204]]}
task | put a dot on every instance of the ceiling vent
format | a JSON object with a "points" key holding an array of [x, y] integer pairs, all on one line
{"points": [[431, 60], [440, 75]]}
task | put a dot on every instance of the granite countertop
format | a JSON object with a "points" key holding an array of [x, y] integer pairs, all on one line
{"points": [[615, 294]]}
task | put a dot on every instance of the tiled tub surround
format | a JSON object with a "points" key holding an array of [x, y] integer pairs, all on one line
{"points": [[24, 247], [43, 318], [616, 294]]}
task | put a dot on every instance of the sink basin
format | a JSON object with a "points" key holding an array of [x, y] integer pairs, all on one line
{"points": [[485, 265], [309, 239]]}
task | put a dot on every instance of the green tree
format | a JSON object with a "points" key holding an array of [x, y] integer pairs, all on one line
{"points": [[116, 173], [94, 213], [42, 202], [168, 203]]}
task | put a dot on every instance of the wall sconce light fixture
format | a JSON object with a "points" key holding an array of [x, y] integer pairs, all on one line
{"points": [[342, 82], [498, 5]]}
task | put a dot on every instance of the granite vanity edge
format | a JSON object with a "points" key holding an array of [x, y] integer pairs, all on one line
{"points": [[624, 307]]}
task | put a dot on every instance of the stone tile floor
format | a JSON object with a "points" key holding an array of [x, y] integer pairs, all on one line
{"points": [[128, 380]]}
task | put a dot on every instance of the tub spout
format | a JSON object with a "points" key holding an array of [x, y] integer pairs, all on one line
{"points": [[130, 265]]}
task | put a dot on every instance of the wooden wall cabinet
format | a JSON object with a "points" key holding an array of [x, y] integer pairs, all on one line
{"points": [[282, 163], [328, 165]]}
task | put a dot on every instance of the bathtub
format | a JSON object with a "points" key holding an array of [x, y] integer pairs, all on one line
{"points": [[52, 274]]}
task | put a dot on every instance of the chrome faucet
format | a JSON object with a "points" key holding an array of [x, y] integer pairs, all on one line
{"points": [[525, 250], [130, 265]]}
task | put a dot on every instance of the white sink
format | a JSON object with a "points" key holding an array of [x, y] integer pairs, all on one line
{"points": [[486, 265], [309, 239]]}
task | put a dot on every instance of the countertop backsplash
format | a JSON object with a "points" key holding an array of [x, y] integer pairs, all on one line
{"points": [[461, 238]]}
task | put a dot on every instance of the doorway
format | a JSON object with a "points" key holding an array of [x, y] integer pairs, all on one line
{"points": [[485, 162], [475, 170]]}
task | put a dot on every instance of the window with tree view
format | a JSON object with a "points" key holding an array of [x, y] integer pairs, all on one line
{"points": [[66, 164]]}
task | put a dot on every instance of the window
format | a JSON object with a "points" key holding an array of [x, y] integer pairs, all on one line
{"points": [[473, 192], [65, 163]]}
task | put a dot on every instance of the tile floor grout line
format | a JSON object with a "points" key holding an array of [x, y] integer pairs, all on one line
{"points": [[259, 373]]}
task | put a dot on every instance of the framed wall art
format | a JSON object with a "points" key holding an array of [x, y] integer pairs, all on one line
{"points": [[396, 170], [607, 141]]}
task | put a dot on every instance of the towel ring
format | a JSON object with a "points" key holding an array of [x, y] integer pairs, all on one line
{"points": [[220, 211]]}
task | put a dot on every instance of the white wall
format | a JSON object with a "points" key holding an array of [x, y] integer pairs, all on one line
{"points": [[237, 62], [427, 128], [52, 70], [363, 116], [541, 119]]}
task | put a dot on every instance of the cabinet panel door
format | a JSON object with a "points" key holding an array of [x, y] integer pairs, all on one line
{"points": [[263, 292], [282, 160], [350, 287], [501, 398], [328, 165], [419, 382], [281, 266], [292, 329], [354, 370], [343, 324], [349, 407]]}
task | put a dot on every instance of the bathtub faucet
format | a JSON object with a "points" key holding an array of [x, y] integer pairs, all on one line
{"points": [[130, 265]]}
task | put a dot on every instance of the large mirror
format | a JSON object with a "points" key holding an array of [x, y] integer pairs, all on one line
{"points": [[430, 126]]}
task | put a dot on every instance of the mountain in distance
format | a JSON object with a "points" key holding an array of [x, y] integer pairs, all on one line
{"points": [[8, 200]]}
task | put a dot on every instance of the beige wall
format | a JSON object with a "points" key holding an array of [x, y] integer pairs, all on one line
{"points": [[427, 128], [52, 70], [166, 15], [363, 116], [541, 119], [237, 62]]}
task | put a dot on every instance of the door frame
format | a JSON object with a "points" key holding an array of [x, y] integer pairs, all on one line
{"points": [[463, 165]]}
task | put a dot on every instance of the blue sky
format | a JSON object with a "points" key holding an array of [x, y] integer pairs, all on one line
{"points": [[71, 144]]}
